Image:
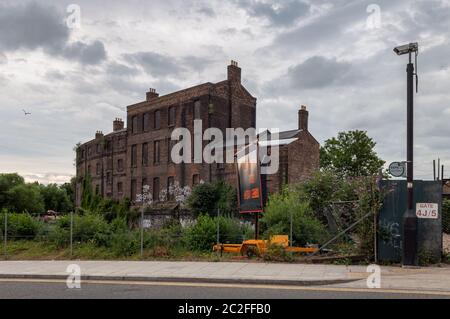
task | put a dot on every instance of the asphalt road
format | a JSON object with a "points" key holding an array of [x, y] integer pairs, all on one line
{"points": [[134, 290]]}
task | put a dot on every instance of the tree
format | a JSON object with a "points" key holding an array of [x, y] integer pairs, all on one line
{"points": [[351, 154], [55, 198], [206, 198], [26, 198], [8, 181]]}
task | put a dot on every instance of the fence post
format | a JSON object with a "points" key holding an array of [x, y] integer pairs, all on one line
{"points": [[218, 226], [6, 235], [291, 231], [142, 233], [71, 234]]}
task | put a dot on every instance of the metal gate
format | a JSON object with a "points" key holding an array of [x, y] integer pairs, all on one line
{"points": [[390, 221]]}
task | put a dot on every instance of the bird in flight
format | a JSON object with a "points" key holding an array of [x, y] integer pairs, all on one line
{"points": [[26, 113]]}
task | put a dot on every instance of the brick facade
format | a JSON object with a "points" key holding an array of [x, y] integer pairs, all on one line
{"points": [[121, 162]]}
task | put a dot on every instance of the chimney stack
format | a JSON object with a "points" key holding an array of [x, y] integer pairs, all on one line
{"points": [[151, 94], [303, 118], [118, 125], [234, 72], [98, 134]]}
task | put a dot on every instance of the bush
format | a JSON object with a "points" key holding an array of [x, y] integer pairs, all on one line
{"points": [[206, 198], [306, 227], [203, 235], [20, 226]]}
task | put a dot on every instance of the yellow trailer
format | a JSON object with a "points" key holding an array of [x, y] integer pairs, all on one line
{"points": [[258, 247]]}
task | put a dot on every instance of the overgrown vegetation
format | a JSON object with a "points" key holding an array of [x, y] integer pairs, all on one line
{"points": [[33, 198], [207, 198]]}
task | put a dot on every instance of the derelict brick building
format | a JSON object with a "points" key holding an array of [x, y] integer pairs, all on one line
{"points": [[122, 162]]}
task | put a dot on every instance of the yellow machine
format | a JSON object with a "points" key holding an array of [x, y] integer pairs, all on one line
{"points": [[258, 247]]}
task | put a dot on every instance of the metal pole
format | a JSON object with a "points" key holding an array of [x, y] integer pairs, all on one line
{"points": [[142, 233], [256, 225], [410, 219], [218, 226], [434, 170], [292, 238], [6, 235], [71, 234]]}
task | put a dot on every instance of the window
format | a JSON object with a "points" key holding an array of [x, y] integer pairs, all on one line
{"points": [[144, 183], [195, 179], [145, 154], [146, 122], [97, 169], [108, 178], [97, 189], [89, 170], [98, 148], [109, 164], [197, 110], [157, 120], [156, 189], [134, 125], [83, 154], [120, 187], [133, 155], [156, 152], [253, 120], [172, 114], [133, 189], [170, 145], [170, 190], [120, 165], [89, 151]]}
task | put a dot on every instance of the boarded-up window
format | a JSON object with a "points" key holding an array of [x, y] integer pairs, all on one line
{"points": [[146, 122], [97, 169], [156, 152], [133, 189], [197, 110], [134, 125], [120, 165], [170, 190], [195, 179], [157, 120], [133, 155], [145, 154], [120, 187], [156, 189], [144, 183], [172, 115]]}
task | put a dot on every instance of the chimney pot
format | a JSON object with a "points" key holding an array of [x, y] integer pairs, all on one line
{"points": [[151, 94], [118, 124], [234, 72], [303, 115]]}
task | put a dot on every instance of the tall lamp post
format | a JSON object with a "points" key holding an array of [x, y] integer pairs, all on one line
{"points": [[409, 254]]}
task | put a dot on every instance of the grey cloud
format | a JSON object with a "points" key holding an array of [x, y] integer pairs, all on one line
{"points": [[279, 13], [32, 26], [154, 63], [93, 53], [318, 72], [159, 65], [207, 11], [119, 69]]}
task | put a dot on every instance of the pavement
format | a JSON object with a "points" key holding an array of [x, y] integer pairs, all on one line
{"points": [[392, 278]]}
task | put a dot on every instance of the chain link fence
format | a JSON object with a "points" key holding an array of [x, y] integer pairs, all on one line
{"points": [[73, 236]]}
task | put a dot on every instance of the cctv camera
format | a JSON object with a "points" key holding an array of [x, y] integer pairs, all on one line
{"points": [[407, 48]]}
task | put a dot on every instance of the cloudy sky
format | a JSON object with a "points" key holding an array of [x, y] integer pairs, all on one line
{"points": [[333, 56]]}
